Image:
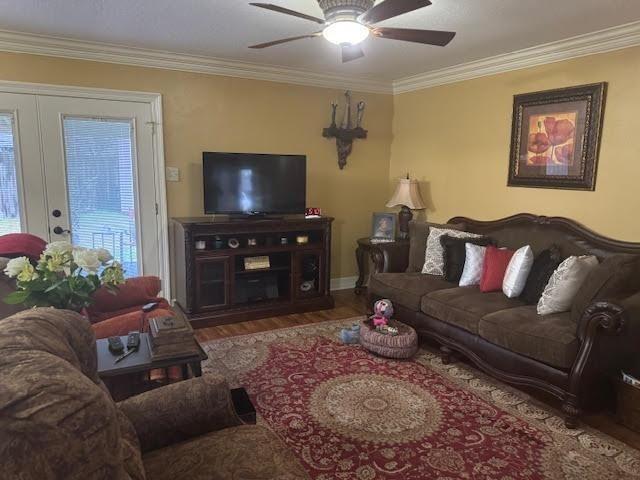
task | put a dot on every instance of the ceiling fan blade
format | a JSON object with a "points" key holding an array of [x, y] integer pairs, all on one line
{"points": [[429, 37], [392, 8], [351, 52], [276, 8], [285, 40]]}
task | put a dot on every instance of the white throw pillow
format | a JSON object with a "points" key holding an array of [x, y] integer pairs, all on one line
{"points": [[517, 272], [564, 284], [473, 263], [433, 255]]}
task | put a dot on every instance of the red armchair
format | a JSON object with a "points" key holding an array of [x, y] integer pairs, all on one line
{"points": [[111, 314]]}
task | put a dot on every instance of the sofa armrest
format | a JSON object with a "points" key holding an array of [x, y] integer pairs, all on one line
{"points": [[608, 317], [186, 409], [390, 257], [609, 334]]}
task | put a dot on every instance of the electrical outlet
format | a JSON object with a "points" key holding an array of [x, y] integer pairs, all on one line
{"points": [[173, 174]]}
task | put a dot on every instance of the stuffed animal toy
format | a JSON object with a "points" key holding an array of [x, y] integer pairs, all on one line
{"points": [[350, 335], [382, 312]]}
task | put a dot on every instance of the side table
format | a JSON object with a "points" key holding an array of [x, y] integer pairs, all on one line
{"points": [[120, 376], [363, 251], [627, 405]]}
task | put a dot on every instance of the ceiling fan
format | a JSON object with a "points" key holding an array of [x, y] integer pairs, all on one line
{"points": [[349, 22]]}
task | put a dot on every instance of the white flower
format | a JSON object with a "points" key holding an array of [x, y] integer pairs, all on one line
{"points": [[60, 248], [87, 259], [15, 266], [103, 255]]}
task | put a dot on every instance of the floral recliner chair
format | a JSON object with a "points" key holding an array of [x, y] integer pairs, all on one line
{"points": [[57, 420]]}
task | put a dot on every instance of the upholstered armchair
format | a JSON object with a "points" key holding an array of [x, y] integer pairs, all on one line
{"points": [[57, 421]]}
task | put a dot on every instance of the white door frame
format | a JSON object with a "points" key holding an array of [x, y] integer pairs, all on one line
{"points": [[155, 102]]}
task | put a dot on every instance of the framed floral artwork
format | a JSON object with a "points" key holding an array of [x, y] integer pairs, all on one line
{"points": [[555, 137]]}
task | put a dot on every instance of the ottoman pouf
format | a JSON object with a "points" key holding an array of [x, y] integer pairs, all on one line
{"points": [[403, 345]]}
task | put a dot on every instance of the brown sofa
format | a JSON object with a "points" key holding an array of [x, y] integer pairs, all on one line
{"points": [[572, 355], [58, 421]]}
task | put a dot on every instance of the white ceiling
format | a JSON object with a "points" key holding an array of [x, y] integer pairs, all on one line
{"points": [[224, 29]]}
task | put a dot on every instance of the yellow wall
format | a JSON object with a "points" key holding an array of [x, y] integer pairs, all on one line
{"points": [[214, 113], [455, 139]]}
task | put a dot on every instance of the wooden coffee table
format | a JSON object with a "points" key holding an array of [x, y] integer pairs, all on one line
{"points": [[120, 377]]}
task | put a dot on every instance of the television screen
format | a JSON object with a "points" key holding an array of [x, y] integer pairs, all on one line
{"points": [[236, 183]]}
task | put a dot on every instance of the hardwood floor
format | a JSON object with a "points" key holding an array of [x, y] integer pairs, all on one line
{"points": [[350, 305], [347, 305]]}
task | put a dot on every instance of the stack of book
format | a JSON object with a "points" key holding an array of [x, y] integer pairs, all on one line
{"points": [[171, 337]]}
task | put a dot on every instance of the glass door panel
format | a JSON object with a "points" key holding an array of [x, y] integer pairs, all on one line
{"points": [[9, 194], [212, 284], [101, 178], [99, 157], [22, 199]]}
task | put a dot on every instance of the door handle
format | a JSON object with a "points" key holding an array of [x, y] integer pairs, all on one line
{"points": [[60, 231]]}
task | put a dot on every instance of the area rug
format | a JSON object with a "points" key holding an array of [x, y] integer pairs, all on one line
{"points": [[348, 414]]}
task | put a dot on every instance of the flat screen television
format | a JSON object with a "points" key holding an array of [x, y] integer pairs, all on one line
{"points": [[248, 183]]}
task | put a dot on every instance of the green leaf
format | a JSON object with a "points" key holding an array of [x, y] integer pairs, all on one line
{"points": [[54, 286], [17, 297]]}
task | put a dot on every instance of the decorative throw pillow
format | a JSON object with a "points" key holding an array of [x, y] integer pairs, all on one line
{"points": [[565, 282], [495, 265], [543, 267], [616, 275], [433, 257], [418, 233], [454, 254], [473, 263], [517, 272]]}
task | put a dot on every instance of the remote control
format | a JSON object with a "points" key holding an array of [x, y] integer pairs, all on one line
{"points": [[115, 345], [133, 341], [149, 306]]}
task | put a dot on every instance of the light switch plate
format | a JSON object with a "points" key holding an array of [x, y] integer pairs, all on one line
{"points": [[173, 174]]}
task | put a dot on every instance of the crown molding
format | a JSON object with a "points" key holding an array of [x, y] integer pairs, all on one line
{"points": [[602, 41], [18, 42]]}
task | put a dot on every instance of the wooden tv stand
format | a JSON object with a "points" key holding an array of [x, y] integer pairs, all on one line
{"points": [[213, 287]]}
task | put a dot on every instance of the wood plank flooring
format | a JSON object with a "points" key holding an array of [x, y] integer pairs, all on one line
{"points": [[350, 305]]}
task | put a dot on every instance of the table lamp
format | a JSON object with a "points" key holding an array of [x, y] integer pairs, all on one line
{"points": [[408, 196]]}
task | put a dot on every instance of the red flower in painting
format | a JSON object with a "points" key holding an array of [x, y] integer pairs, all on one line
{"points": [[564, 154], [559, 131], [538, 143]]}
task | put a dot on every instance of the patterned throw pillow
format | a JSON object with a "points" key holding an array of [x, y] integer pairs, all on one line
{"points": [[517, 272], [433, 257], [564, 284], [473, 264]]}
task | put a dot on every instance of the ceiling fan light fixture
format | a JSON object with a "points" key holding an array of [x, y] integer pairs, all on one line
{"points": [[347, 32]]}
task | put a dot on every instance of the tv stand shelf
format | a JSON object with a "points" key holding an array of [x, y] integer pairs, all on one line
{"points": [[213, 285]]}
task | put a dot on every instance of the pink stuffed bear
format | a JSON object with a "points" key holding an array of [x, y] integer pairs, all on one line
{"points": [[382, 312]]}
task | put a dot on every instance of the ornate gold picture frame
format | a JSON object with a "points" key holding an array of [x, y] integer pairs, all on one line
{"points": [[555, 137]]}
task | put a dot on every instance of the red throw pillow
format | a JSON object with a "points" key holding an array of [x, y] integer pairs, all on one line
{"points": [[495, 266], [18, 244]]}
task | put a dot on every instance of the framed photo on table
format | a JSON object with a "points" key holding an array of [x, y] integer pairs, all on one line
{"points": [[555, 137], [383, 227]]}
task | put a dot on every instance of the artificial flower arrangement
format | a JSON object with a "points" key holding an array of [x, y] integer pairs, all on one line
{"points": [[65, 277]]}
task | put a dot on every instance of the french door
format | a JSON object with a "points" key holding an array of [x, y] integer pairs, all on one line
{"points": [[81, 170]]}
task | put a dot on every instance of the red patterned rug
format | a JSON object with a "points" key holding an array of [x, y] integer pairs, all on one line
{"points": [[350, 415]]}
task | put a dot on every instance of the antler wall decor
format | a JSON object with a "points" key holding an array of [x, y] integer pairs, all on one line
{"points": [[346, 133]]}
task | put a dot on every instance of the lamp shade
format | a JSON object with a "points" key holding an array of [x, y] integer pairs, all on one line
{"points": [[408, 194]]}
